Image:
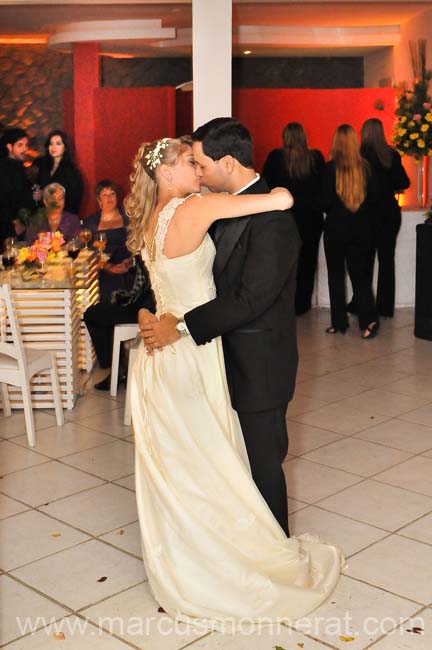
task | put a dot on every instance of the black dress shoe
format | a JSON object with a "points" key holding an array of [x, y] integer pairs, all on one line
{"points": [[371, 331]]}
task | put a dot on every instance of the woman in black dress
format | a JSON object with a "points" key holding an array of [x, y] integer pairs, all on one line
{"points": [[57, 166], [386, 167], [111, 220], [347, 195], [299, 169]]}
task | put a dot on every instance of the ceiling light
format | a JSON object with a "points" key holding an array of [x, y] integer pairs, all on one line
{"points": [[247, 52]]}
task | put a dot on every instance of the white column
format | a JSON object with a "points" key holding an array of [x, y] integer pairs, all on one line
{"points": [[211, 54]]}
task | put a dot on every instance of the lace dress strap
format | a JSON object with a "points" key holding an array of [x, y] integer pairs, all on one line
{"points": [[164, 221]]}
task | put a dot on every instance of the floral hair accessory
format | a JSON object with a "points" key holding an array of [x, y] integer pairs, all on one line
{"points": [[154, 157]]}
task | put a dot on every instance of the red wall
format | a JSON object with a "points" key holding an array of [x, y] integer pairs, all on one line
{"points": [[127, 117], [124, 118], [266, 111]]}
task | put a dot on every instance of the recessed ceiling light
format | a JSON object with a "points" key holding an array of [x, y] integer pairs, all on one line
{"points": [[247, 52]]}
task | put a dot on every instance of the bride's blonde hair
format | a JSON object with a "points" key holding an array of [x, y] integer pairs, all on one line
{"points": [[142, 198]]}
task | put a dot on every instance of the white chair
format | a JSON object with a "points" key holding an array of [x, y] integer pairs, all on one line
{"points": [[18, 365], [123, 332]]}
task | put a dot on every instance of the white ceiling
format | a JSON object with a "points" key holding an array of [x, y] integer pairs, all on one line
{"points": [[328, 28]]}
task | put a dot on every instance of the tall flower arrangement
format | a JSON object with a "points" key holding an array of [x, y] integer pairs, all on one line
{"points": [[412, 133]]}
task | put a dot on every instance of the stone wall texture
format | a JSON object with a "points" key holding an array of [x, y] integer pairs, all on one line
{"points": [[136, 73], [32, 80], [298, 72]]}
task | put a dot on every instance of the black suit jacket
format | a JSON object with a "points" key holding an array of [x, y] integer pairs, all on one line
{"points": [[15, 193], [255, 275]]}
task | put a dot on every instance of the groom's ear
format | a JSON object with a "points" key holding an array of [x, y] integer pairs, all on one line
{"points": [[228, 164]]}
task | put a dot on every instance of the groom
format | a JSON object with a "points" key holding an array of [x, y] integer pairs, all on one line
{"points": [[255, 276]]}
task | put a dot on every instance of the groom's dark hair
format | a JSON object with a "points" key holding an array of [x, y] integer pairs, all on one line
{"points": [[225, 136]]}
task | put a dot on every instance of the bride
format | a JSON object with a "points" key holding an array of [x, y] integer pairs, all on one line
{"points": [[213, 551]]}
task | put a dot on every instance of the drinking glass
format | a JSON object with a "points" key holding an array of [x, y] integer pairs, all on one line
{"points": [[85, 236], [73, 248], [10, 242], [9, 259], [42, 270], [100, 241]]}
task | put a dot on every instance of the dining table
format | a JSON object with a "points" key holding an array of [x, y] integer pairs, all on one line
{"points": [[50, 310]]}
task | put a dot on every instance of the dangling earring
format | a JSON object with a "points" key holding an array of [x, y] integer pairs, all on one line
{"points": [[169, 181]]}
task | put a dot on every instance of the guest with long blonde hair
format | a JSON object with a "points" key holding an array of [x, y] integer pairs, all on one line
{"points": [[386, 165], [347, 195]]}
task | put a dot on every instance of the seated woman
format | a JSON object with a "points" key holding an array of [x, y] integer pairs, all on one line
{"points": [[56, 217], [102, 317], [111, 220]]}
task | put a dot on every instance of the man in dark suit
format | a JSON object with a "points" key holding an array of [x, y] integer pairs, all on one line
{"points": [[15, 186], [255, 277]]}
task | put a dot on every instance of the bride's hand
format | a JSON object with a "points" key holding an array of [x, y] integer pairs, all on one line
{"points": [[157, 333], [145, 322], [283, 198]]}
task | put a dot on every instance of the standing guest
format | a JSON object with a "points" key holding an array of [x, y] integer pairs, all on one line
{"points": [[57, 166], [299, 169], [111, 220], [386, 166], [57, 218], [347, 196], [15, 186]]}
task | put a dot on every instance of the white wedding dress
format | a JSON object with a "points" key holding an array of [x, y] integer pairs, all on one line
{"points": [[211, 546]]}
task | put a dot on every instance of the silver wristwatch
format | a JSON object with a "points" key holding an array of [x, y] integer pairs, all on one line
{"points": [[181, 327]]}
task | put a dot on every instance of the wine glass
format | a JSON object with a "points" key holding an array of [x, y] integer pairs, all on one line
{"points": [[42, 271], [42, 268], [85, 236], [9, 259], [100, 241], [73, 249], [10, 242]]}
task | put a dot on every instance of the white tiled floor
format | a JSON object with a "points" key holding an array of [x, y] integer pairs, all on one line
{"points": [[359, 474]]}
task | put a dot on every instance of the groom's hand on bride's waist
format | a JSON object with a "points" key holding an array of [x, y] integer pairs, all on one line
{"points": [[157, 333]]}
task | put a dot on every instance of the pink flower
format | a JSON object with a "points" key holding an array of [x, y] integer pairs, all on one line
{"points": [[427, 105], [417, 116]]}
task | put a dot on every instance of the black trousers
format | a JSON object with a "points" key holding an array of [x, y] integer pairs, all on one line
{"points": [[101, 319], [383, 244], [266, 439], [306, 266], [341, 249]]}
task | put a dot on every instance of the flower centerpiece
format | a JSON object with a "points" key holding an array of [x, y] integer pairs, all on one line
{"points": [[44, 250]]}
